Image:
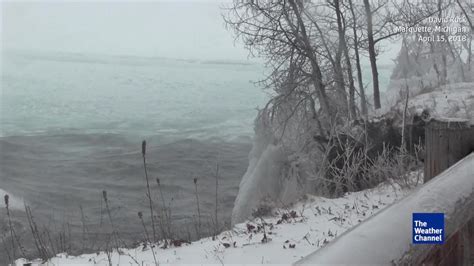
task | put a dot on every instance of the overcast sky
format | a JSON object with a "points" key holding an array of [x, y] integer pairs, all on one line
{"points": [[177, 29]]}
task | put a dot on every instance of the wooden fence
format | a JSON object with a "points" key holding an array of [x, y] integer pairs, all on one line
{"points": [[446, 142]]}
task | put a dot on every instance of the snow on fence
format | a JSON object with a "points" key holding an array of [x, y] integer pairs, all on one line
{"points": [[386, 238]]}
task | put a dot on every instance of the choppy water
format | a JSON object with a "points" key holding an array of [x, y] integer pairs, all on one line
{"points": [[72, 126]]}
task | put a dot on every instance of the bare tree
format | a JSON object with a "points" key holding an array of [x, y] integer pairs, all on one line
{"points": [[363, 99], [372, 54], [278, 31], [343, 46]]}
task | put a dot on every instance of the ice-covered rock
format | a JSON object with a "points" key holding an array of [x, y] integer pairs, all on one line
{"points": [[266, 179]]}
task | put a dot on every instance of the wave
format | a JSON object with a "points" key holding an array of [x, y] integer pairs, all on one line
{"points": [[60, 172]]}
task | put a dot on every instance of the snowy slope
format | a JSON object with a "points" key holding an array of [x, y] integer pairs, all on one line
{"points": [[389, 232], [453, 101], [287, 236], [450, 101]]}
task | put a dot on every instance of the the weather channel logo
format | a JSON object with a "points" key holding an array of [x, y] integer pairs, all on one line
{"points": [[428, 228]]}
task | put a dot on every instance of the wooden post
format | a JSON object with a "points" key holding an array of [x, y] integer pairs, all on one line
{"points": [[446, 142]]}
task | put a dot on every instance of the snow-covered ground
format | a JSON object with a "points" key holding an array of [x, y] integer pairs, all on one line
{"points": [[284, 237], [450, 101]]}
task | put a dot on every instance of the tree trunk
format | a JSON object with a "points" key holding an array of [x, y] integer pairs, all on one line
{"points": [[343, 44], [316, 75], [372, 55], [363, 99]]}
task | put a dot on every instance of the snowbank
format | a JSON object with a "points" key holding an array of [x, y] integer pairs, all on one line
{"points": [[287, 236], [450, 101], [386, 238]]}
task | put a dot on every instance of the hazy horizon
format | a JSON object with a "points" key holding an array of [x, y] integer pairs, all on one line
{"points": [[183, 29]]}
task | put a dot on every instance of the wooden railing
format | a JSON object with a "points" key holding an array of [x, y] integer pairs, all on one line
{"points": [[386, 238]]}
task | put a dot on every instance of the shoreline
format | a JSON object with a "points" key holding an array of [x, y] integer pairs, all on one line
{"points": [[284, 236]]}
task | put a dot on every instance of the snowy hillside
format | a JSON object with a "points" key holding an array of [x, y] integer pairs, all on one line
{"points": [[285, 237], [450, 101]]}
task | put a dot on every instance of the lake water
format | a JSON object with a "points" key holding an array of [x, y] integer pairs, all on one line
{"points": [[72, 126]]}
